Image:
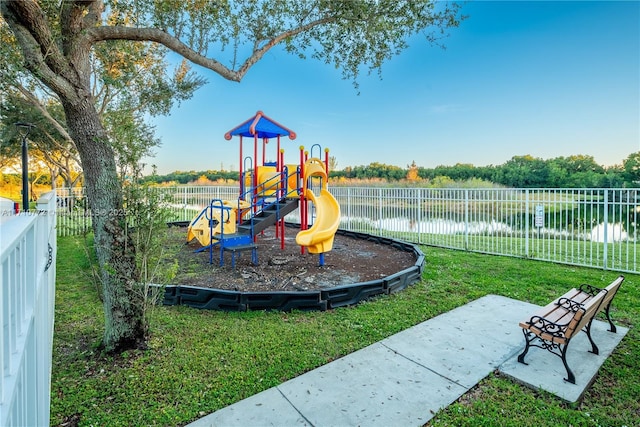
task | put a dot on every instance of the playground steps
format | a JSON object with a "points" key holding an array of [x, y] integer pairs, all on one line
{"points": [[268, 216], [229, 241], [241, 248], [242, 239], [235, 240]]}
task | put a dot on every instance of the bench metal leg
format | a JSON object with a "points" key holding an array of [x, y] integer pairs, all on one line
{"points": [[594, 347], [570, 377], [559, 350], [612, 327], [526, 346]]}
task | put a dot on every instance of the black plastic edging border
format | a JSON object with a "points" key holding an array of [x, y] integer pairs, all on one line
{"points": [[337, 296]]}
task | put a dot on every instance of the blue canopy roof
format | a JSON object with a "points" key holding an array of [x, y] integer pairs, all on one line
{"points": [[260, 126]]}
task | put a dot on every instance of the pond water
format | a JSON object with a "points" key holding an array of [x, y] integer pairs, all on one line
{"points": [[614, 232]]}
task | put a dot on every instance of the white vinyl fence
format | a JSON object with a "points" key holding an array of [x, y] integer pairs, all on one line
{"points": [[28, 273], [588, 227]]}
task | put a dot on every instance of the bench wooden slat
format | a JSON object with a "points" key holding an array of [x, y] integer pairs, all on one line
{"points": [[555, 313], [591, 307], [611, 290]]}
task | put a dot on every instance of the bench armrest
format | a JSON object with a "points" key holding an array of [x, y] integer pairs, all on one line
{"points": [[589, 289], [546, 326], [570, 304]]}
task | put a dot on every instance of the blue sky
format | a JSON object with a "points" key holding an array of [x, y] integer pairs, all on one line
{"points": [[547, 79]]}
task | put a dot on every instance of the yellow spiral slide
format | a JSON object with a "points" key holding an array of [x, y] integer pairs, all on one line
{"points": [[319, 238]]}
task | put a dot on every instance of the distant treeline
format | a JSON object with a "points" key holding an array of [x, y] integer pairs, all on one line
{"points": [[521, 171], [190, 177]]}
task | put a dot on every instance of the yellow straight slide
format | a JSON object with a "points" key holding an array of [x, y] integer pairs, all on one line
{"points": [[319, 238]]}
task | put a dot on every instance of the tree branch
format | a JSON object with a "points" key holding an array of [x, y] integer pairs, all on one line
{"points": [[64, 151], [30, 17], [159, 36], [75, 17], [41, 55], [260, 52], [47, 155], [98, 34], [31, 99]]}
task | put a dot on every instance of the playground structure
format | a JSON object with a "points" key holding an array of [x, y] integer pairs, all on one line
{"points": [[268, 192]]}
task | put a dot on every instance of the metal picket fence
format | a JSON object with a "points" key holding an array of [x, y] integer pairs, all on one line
{"points": [[587, 227]]}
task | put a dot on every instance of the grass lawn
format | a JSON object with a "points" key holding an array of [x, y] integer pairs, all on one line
{"points": [[201, 361]]}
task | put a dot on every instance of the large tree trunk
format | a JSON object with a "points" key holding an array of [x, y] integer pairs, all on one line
{"points": [[65, 68], [123, 296]]}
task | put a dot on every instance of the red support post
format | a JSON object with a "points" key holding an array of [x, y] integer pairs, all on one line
{"points": [[255, 178], [282, 234], [302, 205], [240, 168], [283, 178], [255, 165], [278, 161]]}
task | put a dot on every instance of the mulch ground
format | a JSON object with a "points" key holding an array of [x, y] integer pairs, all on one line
{"points": [[350, 261]]}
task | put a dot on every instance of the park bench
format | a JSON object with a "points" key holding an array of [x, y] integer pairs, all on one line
{"points": [[553, 326]]}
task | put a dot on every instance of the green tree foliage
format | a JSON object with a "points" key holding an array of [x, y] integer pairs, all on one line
{"points": [[631, 169], [182, 177], [523, 171], [579, 171], [376, 170], [48, 143], [130, 81]]}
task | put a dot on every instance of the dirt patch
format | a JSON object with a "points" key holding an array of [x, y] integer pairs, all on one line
{"points": [[352, 260]]}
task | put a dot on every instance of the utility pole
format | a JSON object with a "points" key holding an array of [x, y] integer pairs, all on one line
{"points": [[23, 130]]}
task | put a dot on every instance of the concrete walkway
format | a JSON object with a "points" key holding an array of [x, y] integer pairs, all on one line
{"points": [[406, 378]]}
